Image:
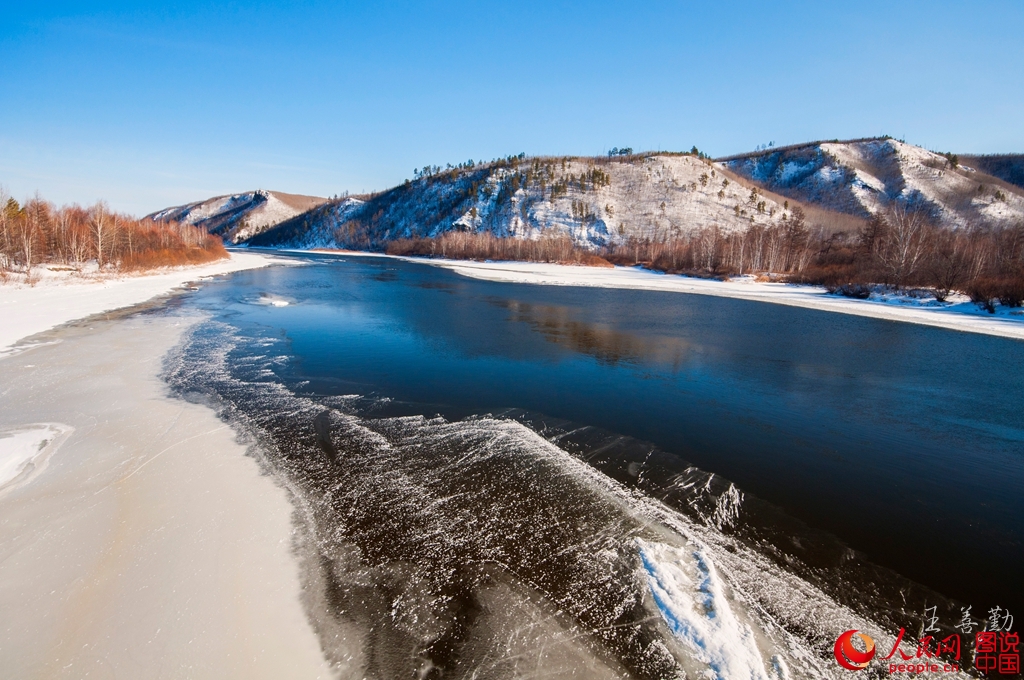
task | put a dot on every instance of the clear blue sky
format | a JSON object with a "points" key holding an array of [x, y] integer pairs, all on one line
{"points": [[148, 107]]}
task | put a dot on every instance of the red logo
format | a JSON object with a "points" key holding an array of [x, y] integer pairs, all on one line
{"points": [[850, 657]]}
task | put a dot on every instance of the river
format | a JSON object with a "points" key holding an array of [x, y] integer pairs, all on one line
{"points": [[494, 477]]}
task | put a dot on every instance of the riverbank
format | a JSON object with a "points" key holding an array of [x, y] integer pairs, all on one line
{"points": [[141, 542], [963, 316], [60, 295]]}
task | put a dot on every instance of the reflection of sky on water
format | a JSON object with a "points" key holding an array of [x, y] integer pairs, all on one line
{"points": [[902, 440]]}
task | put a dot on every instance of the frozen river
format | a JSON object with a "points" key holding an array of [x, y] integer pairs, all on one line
{"points": [[496, 477]]}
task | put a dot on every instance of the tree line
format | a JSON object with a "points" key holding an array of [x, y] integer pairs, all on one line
{"points": [[39, 232], [465, 245], [900, 250]]}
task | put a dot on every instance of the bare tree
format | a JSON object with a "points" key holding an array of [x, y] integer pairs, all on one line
{"points": [[7, 210], [99, 225], [39, 232], [30, 232], [709, 250], [950, 262], [902, 246], [77, 234]]}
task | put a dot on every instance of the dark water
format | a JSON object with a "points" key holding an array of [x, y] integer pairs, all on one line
{"points": [[882, 462]]}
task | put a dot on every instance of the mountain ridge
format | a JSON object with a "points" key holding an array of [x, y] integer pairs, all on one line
{"points": [[864, 177], [595, 201], [238, 217], [600, 201]]}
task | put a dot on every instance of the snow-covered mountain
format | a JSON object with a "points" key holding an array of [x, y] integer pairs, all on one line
{"points": [[239, 217], [862, 177], [600, 201], [596, 201]]}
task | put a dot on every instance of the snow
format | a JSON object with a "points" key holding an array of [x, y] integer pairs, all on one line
{"points": [[959, 314], [193, 213], [692, 599], [265, 215], [324, 221], [657, 196], [239, 216], [60, 296], [868, 181], [151, 541], [790, 170], [863, 177], [22, 448]]}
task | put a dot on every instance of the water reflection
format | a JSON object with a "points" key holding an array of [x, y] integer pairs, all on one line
{"points": [[609, 346]]}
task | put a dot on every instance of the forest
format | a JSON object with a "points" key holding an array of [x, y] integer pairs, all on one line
{"points": [[39, 232]]}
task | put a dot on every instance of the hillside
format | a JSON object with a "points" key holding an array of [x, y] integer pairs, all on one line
{"points": [[601, 202], [596, 201], [1007, 167], [241, 216], [863, 177]]}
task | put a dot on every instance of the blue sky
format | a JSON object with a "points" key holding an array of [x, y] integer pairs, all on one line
{"points": [[153, 106]]}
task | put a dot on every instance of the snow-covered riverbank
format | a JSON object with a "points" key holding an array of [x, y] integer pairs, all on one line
{"points": [[960, 316], [60, 296], [139, 540]]}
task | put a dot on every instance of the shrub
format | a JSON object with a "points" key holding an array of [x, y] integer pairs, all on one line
{"points": [[1010, 290], [855, 290], [982, 293], [462, 245]]}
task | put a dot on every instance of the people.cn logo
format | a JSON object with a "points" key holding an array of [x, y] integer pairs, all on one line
{"points": [[850, 657]]}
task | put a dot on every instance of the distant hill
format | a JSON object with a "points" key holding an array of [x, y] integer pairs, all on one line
{"points": [[239, 217], [862, 177], [596, 201], [1007, 167], [607, 200]]}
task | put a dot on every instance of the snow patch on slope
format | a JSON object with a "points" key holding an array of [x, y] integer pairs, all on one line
{"points": [[864, 177], [239, 217]]}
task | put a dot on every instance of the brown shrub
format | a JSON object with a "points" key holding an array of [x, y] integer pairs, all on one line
{"points": [[593, 260], [461, 245], [1010, 289], [983, 293], [167, 257]]}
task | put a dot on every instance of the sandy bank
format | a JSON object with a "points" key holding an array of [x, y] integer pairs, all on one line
{"points": [[27, 310], [960, 317], [150, 546]]}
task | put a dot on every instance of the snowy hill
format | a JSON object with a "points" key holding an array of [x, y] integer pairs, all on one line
{"points": [[862, 177], [601, 201], [596, 201], [241, 216]]}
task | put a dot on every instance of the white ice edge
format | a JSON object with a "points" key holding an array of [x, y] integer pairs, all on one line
{"points": [[963, 317], [24, 450], [28, 310]]}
